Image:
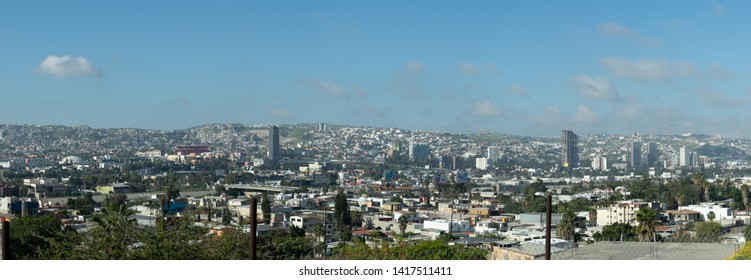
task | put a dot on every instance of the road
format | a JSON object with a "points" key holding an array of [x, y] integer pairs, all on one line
{"points": [[100, 197]]}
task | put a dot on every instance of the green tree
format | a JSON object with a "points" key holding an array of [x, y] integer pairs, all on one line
{"points": [[342, 217], [565, 227], [711, 216], [422, 250], [357, 220], [172, 238], [283, 245], [296, 231], [616, 232], [747, 233], [646, 228], [112, 236], [266, 209], [84, 205], [743, 254], [593, 216], [708, 231], [319, 232], [403, 224], [32, 237], [226, 218]]}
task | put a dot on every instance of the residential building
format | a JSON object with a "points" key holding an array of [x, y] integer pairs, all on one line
{"points": [[600, 163], [481, 163], [623, 212], [46, 187], [443, 225], [720, 212]]}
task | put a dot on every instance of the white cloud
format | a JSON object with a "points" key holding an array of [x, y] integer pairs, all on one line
{"points": [[515, 89], [414, 66], [717, 71], [719, 9], [648, 69], [485, 109], [359, 92], [64, 66], [618, 31], [408, 80], [720, 99], [474, 70], [280, 114], [468, 69], [596, 88], [323, 87], [585, 115]]}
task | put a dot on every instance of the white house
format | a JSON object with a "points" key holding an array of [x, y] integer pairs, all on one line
{"points": [[443, 225], [721, 213]]}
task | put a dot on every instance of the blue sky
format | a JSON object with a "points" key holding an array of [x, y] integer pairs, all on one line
{"points": [[530, 68]]}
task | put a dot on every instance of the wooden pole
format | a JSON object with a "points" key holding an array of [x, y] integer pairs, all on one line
{"points": [[4, 250], [253, 226], [548, 218]]}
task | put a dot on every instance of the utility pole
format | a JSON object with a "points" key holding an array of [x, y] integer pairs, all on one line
{"points": [[253, 226], [548, 217], [5, 240]]}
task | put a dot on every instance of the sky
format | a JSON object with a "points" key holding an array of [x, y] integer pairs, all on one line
{"points": [[530, 68]]}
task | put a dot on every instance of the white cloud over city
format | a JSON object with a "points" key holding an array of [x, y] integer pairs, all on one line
{"points": [[596, 88], [617, 31], [67, 66], [642, 70]]}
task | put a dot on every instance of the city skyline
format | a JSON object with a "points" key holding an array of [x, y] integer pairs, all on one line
{"points": [[515, 68]]}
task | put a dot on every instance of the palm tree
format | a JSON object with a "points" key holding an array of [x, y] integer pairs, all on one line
{"points": [[711, 216], [320, 232], [706, 187], [744, 194], [700, 182], [593, 216], [114, 231], [356, 219], [565, 228], [403, 223], [646, 219]]}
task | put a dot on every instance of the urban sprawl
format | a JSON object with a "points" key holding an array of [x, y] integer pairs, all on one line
{"points": [[328, 191]]}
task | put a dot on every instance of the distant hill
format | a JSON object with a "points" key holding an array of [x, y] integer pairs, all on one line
{"points": [[723, 152]]}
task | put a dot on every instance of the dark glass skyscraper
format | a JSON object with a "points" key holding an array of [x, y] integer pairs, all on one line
{"points": [[635, 155], [274, 149], [652, 154], [570, 155]]}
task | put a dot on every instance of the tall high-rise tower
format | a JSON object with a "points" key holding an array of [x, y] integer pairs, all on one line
{"points": [[652, 154], [274, 149], [684, 159], [635, 155], [570, 155]]}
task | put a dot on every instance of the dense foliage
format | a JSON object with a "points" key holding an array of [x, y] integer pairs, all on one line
{"points": [[422, 250]]}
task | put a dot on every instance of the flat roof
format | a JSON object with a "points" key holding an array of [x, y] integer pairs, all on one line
{"points": [[652, 251]]}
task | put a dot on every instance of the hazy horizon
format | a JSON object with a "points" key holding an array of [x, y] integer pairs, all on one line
{"points": [[527, 69]]}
